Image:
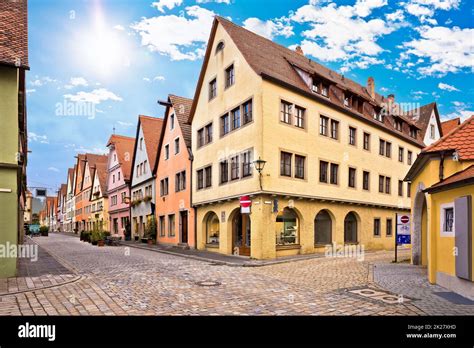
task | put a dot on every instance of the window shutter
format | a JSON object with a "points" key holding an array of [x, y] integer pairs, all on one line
{"points": [[463, 236]]}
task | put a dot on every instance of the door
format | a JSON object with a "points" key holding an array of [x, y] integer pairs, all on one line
{"points": [[183, 220], [241, 234]]}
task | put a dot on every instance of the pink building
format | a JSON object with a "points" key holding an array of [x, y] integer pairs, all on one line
{"points": [[118, 182]]}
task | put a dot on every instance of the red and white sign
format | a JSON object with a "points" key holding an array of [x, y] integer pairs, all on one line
{"points": [[245, 204], [404, 219]]}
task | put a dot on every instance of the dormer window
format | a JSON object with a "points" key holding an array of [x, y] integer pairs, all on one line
{"points": [[220, 47], [413, 132], [378, 115], [398, 125], [347, 100], [320, 87], [324, 89]]}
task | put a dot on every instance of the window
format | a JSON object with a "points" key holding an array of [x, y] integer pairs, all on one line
{"points": [[113, 178], [387, 185], [123, 195], [447, 218], [285, 164], [365, 180], [162, 226], [323, 125], [388, 149], [118, 174], [398, 125], [212, 229], [219, 47], [208, 172], [212, 89], [286, 227], [247, 112], [299, 117], [141, 143], [225, 124], [377, 227], [400, 154], [246, 164], [224, 167], [167, 151], [382, 147], [176, 146], [324, 89], [323, 228], [409, 189], [164, 184], [347, 100], [299, 166], [409, 158], [229, 76], [352, 176], [235, 118], [432, 131], [114, 200], [400, 188], [367, 141], [171, 225], [286, 111], [381, 183], [323, 171], [200, 137], [200, 179], [413, 132], [208, 133], [234, 168], [180, 181], [388, 227], [352, 136], [334, 173], [172, 122], [334, 129]]}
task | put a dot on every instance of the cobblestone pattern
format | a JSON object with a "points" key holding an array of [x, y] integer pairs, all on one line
{"points": [[128, 281]]}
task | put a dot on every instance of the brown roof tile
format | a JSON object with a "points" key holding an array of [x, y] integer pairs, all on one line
{"points": [[152, 133], [124, 147], [100, 167], [460, 139], [182, 108], [449, 125], [14, 33]]}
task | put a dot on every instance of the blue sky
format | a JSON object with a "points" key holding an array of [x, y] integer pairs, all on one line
{"points": [[121, 56]]}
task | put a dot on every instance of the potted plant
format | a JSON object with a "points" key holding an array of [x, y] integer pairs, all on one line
{"points": [[151, 230], [147, 199], [95, 236], [44, 231]]}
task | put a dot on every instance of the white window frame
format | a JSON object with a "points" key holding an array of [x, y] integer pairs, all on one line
{"points": [[442, 221]]}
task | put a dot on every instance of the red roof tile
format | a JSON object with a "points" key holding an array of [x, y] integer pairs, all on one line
{"points": [[14, 33], [152, 134], [124, 147], [460, 139], [100, 168], [449, 125]]}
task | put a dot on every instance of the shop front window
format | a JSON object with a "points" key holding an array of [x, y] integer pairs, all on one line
{"points": [[287, 225], [212, 229]]}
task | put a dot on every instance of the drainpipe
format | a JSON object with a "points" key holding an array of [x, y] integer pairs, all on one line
{"points": [[191, 158], [441, 167]]}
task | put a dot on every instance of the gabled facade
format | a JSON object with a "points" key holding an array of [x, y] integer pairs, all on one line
{"points": [[174, 213], [442, 190], [118, 182], [89, 207], [143, 175], [79, 198], [13, 132], [99, 216], [69, 206], [335, 152]]}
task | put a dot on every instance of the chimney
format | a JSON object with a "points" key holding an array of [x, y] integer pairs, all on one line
{"points": [[391, 98], [299, 50], [371, 87]]}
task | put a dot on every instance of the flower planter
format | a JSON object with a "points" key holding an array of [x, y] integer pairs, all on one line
{"points": [[101, 243], [150, 242]]}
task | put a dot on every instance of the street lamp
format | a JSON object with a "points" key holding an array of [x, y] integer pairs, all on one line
{"points": [[259, 165]]}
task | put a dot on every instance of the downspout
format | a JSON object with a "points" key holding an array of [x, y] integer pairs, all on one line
{"points": [[191, 158], [441, 167]]}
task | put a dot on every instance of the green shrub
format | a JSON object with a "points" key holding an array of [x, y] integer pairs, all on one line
{"points": [[44, 230]]}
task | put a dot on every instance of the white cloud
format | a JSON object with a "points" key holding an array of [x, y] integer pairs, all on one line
{"points": [[424, 9], [461, 110], [33, 137], [343, 33], [96, 96], [395, 16], [447, 49], [159, 78], [169, 4], [41, 81], [146, 79], [30, 91], [216, 1], [76, 82], [179, 37], [125, 124], [119, 27], [446, 87], [53, 169], [269, 28]]}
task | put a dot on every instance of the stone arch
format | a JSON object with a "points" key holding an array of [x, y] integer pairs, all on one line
{"points": [[419, 209], [351, 227], [211, 228], [288, 226], [324, 222]]}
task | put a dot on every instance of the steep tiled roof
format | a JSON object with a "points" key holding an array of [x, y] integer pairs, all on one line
{"points": [[460, 139], [421, 117], [63, 189], [152, 133], [124, 148], [448, 126], [182, 108], [70, 174], [466, 175], [100, 167], [14, 33], [79, 167]]}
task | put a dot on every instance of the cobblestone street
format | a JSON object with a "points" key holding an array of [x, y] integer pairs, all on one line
{"points": [[129, 281]]}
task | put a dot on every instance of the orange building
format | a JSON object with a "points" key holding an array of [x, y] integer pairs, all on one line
{"points": [[173, 176], [78, 196]]}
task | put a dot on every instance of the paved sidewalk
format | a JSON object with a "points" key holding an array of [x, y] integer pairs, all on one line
{"points": [[44, 272], [411, 281]]}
